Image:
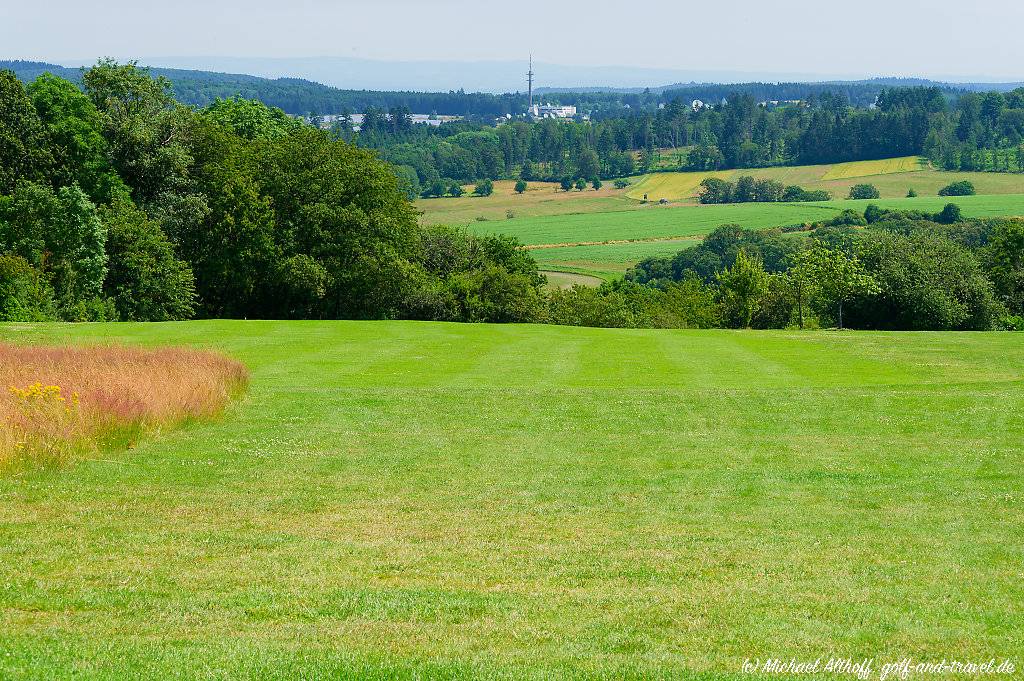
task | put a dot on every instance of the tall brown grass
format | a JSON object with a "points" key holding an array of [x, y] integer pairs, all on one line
{"points": [[58, 402]]}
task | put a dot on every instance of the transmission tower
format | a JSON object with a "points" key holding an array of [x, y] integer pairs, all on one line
{"points": [[529, 80]]}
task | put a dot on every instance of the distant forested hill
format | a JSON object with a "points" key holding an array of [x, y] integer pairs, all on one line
{"points": [[297, 96]]}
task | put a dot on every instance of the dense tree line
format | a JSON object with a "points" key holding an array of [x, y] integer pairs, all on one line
{"points": [[881, 270], [742, 126], [298, 96], [117, 202], [740, 132], [748, 189], [982, 131]]}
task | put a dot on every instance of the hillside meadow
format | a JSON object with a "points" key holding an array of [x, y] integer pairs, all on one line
{"points": [[409, 500], [573, 243], [893, 177], [691, 221], [573, 226], [606, 261]]}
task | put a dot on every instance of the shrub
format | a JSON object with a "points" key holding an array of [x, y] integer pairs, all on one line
{"points": [[520, 186], [614, 305], [950, 213], [715, 190], [484, 187], [1012, 323], [24, 295], [621, 184], [794, 193], [864, 191], [848, 217], [961, 188]]}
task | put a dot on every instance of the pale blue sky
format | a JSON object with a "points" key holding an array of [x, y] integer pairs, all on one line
{"points": [[933, 38]]}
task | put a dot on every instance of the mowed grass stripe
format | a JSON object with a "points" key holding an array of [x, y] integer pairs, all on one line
{"points": [[461, 501]]}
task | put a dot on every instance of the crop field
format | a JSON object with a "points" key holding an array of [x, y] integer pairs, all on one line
{"points": [[576, 234], [689, 221], [885, 166], [426, 500], [541, 198], [606, 261], [893, 177], [655, 223], [545, 215], [686, 185], [560, 279]]}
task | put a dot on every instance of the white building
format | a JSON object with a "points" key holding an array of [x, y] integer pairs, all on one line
{"points": [[552, 111]]}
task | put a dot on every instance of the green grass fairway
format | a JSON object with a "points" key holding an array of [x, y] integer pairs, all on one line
{"points": [[418, 500]]}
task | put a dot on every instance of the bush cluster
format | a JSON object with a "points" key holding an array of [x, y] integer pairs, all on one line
{"points": [[903, 270], [747, 189]]}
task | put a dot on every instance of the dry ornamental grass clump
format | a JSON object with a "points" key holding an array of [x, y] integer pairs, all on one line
{"points": [[59, 401]]}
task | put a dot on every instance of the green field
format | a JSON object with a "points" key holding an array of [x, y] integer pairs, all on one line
{"points": [[606, 261], [657, 224], [544, 215], [666, 222], [400, 499], [893, 177]]}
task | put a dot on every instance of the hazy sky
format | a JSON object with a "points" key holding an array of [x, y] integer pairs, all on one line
{"points": [[863, 37]]}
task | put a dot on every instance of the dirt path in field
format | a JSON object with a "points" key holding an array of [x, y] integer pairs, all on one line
{"points": [[567, 244], [563, 280]]}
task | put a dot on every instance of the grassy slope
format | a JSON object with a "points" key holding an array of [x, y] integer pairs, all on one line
{"points": [[606, 261], [541, 198], [658, 224], [686, 185], [400, 498], [893, 177], [545, 215]]}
